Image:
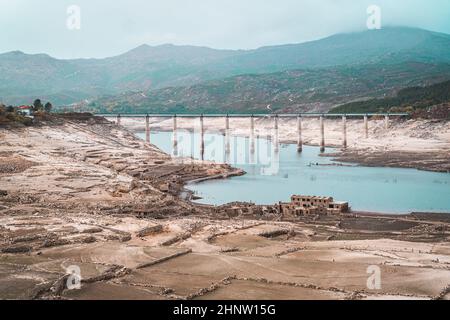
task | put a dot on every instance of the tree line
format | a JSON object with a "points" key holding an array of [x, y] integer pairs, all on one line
{"points": [[37, 106]]}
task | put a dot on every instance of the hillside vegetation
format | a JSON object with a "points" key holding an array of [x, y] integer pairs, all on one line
{"points": [[409, 100], [312, 90]]}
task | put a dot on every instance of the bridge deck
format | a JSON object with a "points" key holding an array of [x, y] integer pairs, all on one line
{"points": [[327, 115]]}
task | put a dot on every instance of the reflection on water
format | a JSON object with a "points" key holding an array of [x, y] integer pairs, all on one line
{"points": [[275, 173]]}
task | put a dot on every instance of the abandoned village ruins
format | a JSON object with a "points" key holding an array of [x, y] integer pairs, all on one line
{"points": [[307, 205], [299, 206]]}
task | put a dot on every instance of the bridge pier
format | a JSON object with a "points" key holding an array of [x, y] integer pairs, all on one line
{"points": [[275, 140], [322, 135], [175, 136], [147, 128], [276, 124], [202, 138], [227, 135], [175, 127], [344, 131], [299, 129], [366, 126], [252, 135]]}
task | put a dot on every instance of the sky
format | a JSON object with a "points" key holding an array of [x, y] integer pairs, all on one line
{"points": [[109, 28]]}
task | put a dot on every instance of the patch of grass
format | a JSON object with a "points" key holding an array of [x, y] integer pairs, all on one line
{"points": [[12, 118]]}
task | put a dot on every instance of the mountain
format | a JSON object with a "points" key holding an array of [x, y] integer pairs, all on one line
{"points": [[310, 90], [146, 68], [66, 81], [408, 99], [389, 45], [149, 67]]}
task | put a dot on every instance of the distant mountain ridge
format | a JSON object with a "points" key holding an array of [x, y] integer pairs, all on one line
{"points": [[146, 69], [26, 76]]}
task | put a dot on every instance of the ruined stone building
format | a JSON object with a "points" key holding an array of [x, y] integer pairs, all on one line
{"points": [[236, 209], [310, 205]]}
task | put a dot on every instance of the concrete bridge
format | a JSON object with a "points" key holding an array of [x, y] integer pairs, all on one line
{"points": [[275, 117]]}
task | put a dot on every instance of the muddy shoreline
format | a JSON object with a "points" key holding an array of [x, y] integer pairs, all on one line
{"points": [[433, 161], [101, 200]]}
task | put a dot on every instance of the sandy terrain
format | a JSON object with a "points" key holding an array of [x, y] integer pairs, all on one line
{"points": [[423, 144], [90, 195]]}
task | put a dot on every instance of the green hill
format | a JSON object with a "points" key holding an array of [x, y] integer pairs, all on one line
{"points": [[408, 99], [311, 90]]}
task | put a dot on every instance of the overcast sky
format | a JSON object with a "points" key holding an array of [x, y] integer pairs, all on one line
{"points": [[112, 27]]}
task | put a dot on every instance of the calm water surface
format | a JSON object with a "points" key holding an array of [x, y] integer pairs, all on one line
{"points": [[274, 176]]}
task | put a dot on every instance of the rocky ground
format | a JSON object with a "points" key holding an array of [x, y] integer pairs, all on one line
{"points": [[89, 196]]}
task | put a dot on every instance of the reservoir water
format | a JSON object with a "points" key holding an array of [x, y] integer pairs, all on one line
{"points": [[276, 171]]}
